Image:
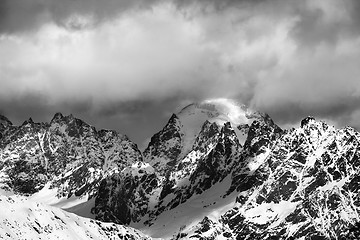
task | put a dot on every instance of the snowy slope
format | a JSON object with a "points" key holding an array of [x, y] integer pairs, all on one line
{"points": [[24, 219], [210, 203]]}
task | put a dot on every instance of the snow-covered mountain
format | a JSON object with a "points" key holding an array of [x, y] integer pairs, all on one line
{"points": [[67, 157], [217, 170]]}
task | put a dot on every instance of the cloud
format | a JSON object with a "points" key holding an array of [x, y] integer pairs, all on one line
{"points": [[327, 21], [118, 61], [150, 54]]}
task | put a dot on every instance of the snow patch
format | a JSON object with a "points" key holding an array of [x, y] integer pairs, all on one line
{"points": [[331, 185], [267, 212], [255, 162], [139, 169]]}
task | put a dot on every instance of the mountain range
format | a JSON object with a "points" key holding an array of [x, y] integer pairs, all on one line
{"points": [[217, 170]]}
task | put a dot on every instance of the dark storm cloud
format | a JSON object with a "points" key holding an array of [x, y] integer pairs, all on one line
{"points": [[24, 15], [313, 25], [19, 109], [138, 119], [339, 112], [324, 84], [37, 106]]}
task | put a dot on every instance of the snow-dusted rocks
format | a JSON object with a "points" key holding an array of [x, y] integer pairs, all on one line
{"points": [[304, 188]]}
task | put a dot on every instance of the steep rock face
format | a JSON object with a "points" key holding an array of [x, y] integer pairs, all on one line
{"points": [[67, 153], [165, 146], [23, 219], [126, 197], [23, 166], [4, 125], [119, 151], [262, 137]]}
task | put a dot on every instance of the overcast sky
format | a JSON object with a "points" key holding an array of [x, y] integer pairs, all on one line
{"points": [[127, 65]]}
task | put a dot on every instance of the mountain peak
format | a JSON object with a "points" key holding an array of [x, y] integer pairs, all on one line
{"points": [[57, 116], [60, 117], [173, 118], [70, 117], [306, 121], [5, 121], [29, 121]]}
